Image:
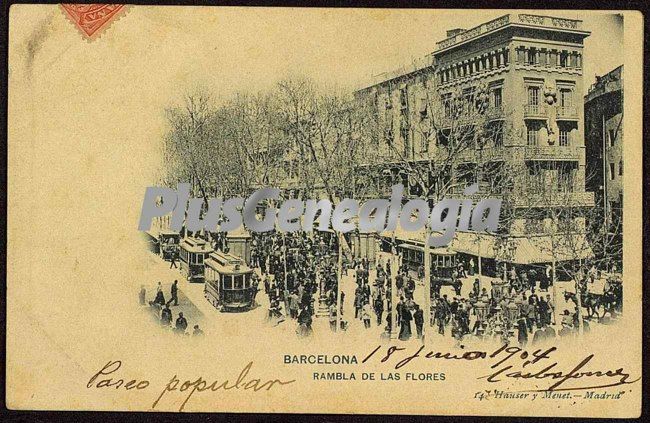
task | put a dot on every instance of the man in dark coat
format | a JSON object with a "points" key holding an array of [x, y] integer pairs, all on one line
{"points": [[174, 293], [418, 317], [379, 308], [522, 332], [174, 257]]}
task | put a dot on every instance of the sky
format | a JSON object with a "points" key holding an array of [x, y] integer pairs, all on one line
{"points": [[233, 49]]}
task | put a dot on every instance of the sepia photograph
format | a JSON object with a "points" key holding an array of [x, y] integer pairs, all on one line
{"points": [[305, 210]]}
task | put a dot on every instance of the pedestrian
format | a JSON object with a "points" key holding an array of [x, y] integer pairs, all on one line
{"points": [[365, 312], [539, 335], [522, 332], [405, 323], [551, 309], [181, 323], [197, 331], [293, 305], [332, 316], [379, 308], [174, 257], [418, 318], [166, 316], [143, 295], [160, 297], [304, 323], [174, 293]]}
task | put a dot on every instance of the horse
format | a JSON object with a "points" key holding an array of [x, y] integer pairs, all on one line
{"points": [[591, 301]]}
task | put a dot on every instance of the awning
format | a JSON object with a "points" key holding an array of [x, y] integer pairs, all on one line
{"points": [[524, 250]]}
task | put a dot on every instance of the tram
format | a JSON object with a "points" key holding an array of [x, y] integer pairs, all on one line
{"points": [[193, 252], [443, 262], [229, 284], [168, 244]]}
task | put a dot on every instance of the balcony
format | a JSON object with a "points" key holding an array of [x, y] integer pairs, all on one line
{"points": [[495, 112], [487, 154], [551, 152], [555, 198], [534, 111], [567, 113]]}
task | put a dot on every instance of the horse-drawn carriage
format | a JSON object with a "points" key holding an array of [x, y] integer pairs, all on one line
{"points": [[599, 294], [443, 264]]}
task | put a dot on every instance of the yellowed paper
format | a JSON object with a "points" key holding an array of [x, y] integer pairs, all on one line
{"points": [[90, 121]]}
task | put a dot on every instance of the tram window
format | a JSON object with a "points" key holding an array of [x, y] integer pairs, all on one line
{"points": [[239, 282], [227, 282], [199, 258]]}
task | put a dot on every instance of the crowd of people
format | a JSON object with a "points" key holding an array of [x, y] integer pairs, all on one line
{"points": [[292, 265], [161, 310], [299, 277]]}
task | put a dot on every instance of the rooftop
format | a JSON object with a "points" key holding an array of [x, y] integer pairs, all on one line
{"points": [[511, 19]]}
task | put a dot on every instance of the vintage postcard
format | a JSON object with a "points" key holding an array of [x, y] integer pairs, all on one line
{"points": [[303, 210]]}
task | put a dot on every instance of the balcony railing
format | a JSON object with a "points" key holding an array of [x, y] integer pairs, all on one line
{"points": [[551, 153], [533, 111], [555, 198], [495, 112], [516, 19], [567, 113]]}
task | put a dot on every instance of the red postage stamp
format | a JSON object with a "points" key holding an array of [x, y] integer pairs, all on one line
{"points": [[91, 18]]}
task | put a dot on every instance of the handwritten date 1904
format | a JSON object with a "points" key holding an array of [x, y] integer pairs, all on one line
{"points": [[514, 363]]}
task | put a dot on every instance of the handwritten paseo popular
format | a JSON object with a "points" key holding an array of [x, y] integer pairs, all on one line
{"points": [[108, 378], [294, 215]]}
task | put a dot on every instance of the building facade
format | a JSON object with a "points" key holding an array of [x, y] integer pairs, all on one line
{"points": [[498, 102], [603, 106]]}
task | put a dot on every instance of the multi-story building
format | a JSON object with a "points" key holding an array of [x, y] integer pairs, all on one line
{"points": [[518, 79], [604, 141]]}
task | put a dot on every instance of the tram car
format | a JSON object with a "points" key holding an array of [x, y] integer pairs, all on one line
{"points": [[443, 262], [168, 244], [193, 252], [229, 284]]}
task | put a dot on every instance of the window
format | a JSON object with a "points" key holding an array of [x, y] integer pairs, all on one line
{"points": [[531, 56], [611, 171], [620, 168], [532, 133], [497, 98], [564, 59], [565, 137], [565, 179], [446, 101], [495, 130], [239, 281], [227, 282], [535, 178], [612, 137], [533, 96], [566, 97]]}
